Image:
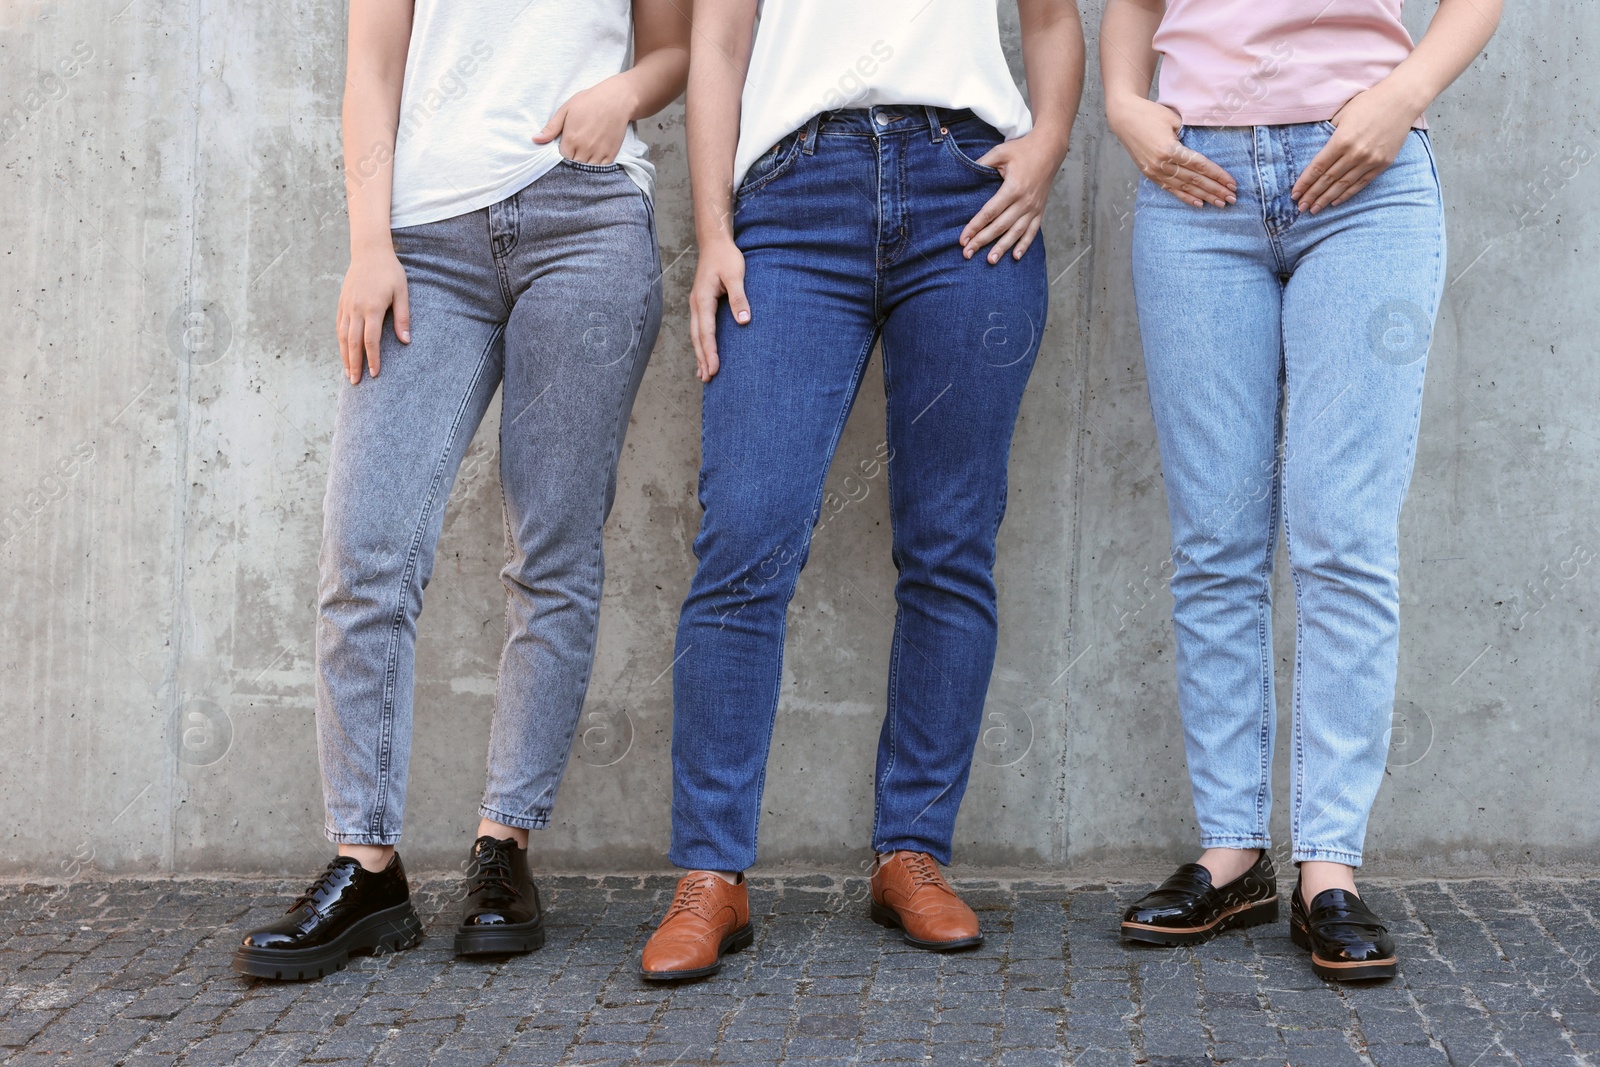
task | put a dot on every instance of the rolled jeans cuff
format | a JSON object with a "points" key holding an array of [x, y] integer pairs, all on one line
{"points": [[535, 820], [1220, 841], [1327, 855], [360, 839]]}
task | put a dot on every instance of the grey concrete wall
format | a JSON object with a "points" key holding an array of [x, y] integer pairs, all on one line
{"points": [[174, 243]]}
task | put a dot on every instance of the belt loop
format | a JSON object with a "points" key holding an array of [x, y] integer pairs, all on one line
{"points": [[808, 139], [935, 123]]}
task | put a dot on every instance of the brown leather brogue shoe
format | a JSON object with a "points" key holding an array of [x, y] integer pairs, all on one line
{"points": [[708, 917], [909, 892]]}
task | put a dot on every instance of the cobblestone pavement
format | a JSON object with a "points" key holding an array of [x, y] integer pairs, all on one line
{"points": [[137, 972]]}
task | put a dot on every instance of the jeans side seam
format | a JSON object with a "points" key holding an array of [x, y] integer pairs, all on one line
{"points": [[804, 553], [891, 710], [1269, 710], [1297, 707], [391, 665]]}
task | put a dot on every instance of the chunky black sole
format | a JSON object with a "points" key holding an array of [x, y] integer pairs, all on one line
{"points": [[507, 939], [888, 917], [1343, 971], [391, 930], [740, 938], [1265, 911]]}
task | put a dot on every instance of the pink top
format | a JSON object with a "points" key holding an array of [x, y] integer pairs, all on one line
{"points": [[1274, 62]]}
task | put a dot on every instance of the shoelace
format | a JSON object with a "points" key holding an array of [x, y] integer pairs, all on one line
{"points": [[493, 869], [691, 896], [324, 880], [922, 870]]}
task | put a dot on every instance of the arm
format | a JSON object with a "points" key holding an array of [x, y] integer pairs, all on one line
{"points": [[1148, 130], [1052, 52], [592, 123], [379, 34], [1373, 125], [718, 62]]}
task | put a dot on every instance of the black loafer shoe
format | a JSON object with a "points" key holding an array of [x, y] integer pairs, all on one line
{"points": [[347, 910], [1188, 909], [1346, 941], [503, 914]]}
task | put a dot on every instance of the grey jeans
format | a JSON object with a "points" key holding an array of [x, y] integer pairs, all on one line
{"points": [[553, 294]]}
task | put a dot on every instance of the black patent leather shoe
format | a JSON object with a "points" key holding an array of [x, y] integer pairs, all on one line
{"points": [[503, 914], [1347, 942], [1187, 909], [347, 910]]}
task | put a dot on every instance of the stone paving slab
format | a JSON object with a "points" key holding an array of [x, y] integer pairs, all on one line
{"points": [[137, 973]]}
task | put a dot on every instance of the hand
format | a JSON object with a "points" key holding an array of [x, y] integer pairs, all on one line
{"points": [[719, 273], [1149, 132], [1371, 127], [374, 283], [592, 124], [1011, 217]]}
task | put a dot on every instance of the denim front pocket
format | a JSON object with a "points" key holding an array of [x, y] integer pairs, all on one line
{"points": [[770, 165], [980, 137]]}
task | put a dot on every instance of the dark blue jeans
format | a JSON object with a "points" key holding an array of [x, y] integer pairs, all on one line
{"points": [[850, 230]]}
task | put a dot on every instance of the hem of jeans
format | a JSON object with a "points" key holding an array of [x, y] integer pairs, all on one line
{"points": [[1215, 841], [538, 820], [683, 863], [1327, 855], [360, 839], [942, 855]]}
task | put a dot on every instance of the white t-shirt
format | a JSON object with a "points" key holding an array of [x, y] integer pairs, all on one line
{"points": [[812, 56], [484, 76]]}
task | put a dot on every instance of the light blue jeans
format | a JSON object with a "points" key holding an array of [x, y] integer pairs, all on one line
{"points": [[1285, 356], [553, 297]]}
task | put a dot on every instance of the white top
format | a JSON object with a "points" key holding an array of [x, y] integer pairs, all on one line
{"points": [[812, 56], [484, 76]]}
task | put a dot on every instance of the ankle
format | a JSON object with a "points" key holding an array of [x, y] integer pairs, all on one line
{"points": [[1317, 876], [501, 832], [731, 877], [373, 858], [1227, 864]]}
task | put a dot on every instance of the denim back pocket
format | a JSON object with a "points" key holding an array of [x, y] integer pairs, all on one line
{"points": [[770, 165]]}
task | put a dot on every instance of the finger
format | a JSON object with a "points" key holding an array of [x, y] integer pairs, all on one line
{"points": [[1325, 167], [338, 333], [986, 215], [1008, 239], [1207, 169], [1195, 189], [996, 230], [552, 129], [1343, 189], [402, 314], [352, 344], [1200, 177], [707, 335], [1338, 174], [738, 303], [708, 338], [1358, 185], [372, 340], [997, 155], [344, 345], [1027, 238], [998, 225], [694, 339]]}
